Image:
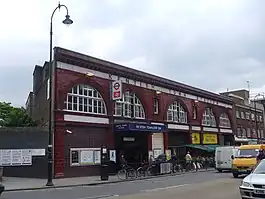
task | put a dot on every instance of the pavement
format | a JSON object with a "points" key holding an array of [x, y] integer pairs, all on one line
{"points": [[206, 185], [14, 184]]}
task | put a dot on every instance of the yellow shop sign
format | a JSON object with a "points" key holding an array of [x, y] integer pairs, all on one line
{"points": [[196, 138], [210, 138]]}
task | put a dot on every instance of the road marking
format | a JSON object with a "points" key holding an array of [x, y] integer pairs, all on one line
{"points": [[99, 197], [164, 188]]}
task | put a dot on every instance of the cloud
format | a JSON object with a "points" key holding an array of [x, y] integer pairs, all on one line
{"points": [[213, 45]]}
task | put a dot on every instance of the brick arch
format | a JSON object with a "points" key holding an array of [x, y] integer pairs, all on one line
{"points": [[215, 112], [176, 99], [86, 81], [139, 96]]}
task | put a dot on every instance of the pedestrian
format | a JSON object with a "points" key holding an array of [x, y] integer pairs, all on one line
{"points": [[188, 160], [260, 156], [122, 161], [151, 160]]}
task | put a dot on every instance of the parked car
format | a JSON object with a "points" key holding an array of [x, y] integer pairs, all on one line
{"points": [[253, 186]]}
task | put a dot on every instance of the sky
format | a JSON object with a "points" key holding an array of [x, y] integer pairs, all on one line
{"points": [[214, 45]]}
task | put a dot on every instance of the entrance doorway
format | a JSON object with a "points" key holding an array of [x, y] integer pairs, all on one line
{"points": [[134, 146]]}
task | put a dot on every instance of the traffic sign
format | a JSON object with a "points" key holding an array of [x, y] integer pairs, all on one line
{"points": [[116, 90]]}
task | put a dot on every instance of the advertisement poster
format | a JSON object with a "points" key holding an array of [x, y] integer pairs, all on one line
{"points": [[97, 157], [26, 159], [112, 155], [87, 157], [210, 138], [196, 138]]}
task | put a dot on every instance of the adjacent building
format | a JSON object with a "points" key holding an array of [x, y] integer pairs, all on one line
{"points": [[154, 115], [249, 118]]}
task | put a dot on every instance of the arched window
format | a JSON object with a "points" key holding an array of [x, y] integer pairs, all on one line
{"points": [[208, 118], [176, 113], [129, 106], [83, 98], [224, 121]]}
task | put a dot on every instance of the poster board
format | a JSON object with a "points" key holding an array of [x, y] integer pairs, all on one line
{"points": [[87, 157], [97, 157], [15, 157]]}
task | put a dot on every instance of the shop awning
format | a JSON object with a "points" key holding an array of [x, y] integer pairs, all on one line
{"points": [[208, 148], [212, 146]]}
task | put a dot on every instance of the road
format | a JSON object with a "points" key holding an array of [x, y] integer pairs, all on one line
{"points": [[207, 185]]}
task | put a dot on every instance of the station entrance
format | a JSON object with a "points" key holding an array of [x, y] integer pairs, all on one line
{"points": [[134, 147]]}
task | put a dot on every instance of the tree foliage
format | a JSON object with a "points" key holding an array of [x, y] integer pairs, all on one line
{"points": [[14, 117]]}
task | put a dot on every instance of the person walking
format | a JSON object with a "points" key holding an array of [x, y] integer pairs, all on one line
{"points": [[188, 160], [260, 156]]}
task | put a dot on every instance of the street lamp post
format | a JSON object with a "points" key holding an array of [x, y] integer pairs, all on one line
{"points": [[66, 21]]}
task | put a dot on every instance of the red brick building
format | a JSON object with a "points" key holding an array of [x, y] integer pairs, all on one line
{"points": [[154, 116]]}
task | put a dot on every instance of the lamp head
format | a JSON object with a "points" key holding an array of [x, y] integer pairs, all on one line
{"points": [[67, 20]]}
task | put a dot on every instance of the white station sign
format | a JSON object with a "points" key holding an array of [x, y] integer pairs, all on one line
{"points": [[116, 90]]}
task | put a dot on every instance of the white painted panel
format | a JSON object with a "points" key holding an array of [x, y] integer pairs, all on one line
{"points": [[79, 69], [196, 128], [158, 141], [85, 119], [226, 131], [178, 126], [157, 123], [209, 129]]}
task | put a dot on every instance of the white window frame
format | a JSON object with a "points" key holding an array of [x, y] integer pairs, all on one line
{"points": [[260, 118], [254, 132], [258, 134], [177, 112], [249, 132], [194, 112], [242, 115], [208, 118], [224, 121], [247, 115], [237, 115], [244, 133], [262, 133], [252, 116], [79, 150], [95, 98], [124, 106], [156, 106]]}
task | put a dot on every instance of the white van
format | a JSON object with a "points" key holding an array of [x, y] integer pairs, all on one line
{"points": [[223, 160]]}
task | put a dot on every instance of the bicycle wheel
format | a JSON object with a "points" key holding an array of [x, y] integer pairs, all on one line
{"points": [[131, 173], [140, 172], [148, 171], [122, 174]]}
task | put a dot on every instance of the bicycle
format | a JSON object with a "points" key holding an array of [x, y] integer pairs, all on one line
{"points": [[126, 173], [144, 171], [177, 168]]}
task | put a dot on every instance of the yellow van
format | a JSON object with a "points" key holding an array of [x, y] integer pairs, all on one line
{"points": [[245, 159]]}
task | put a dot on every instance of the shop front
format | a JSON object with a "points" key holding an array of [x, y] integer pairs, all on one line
{"points": [[178, 138], [138, 141], [203, 143]]}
